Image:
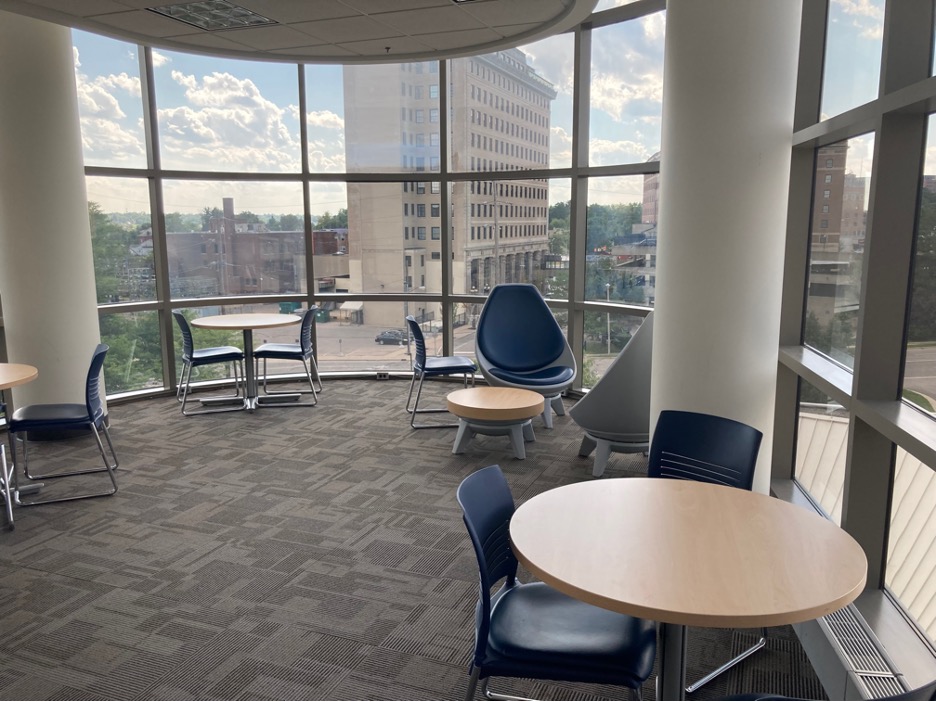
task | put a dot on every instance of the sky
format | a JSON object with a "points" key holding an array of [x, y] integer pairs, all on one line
{"points": [[220, 114]]}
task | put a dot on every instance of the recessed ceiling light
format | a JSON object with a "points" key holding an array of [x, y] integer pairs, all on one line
{"points": [[212, 15]]}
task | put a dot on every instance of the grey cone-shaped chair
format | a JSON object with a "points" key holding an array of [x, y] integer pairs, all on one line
{"points": [[615, 414]]}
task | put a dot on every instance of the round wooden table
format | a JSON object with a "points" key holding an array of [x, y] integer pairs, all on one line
{"points": [[248, 322], [687, 553], [11, 375], [495, 412]]}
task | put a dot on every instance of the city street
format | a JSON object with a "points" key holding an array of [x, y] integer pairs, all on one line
{"points": [[920, 372]]}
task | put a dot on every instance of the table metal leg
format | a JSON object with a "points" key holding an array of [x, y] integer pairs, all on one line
{"points": [[672, 682], [250, 390]]}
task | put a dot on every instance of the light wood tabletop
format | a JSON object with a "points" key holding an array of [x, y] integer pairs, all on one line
{"points": [[495, 404], [13, 374], [248, 320], [684, 553]]}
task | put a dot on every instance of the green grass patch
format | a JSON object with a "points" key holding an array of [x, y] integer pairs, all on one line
{"points": [[918, 399]]}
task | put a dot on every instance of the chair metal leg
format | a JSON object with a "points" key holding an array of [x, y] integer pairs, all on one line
{"points": [[730, 664], [307, 367], [185, 389], [108, 466], [472, 682], [488, 695], [7, 487], [414, 410]]}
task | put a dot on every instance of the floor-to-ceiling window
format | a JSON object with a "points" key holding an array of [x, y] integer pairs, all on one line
{"points": [[856, 428], [374, 191]]}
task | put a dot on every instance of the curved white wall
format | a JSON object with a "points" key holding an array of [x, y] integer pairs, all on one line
{"points": [[46, 266]]}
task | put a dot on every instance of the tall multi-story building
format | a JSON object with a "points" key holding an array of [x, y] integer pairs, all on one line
{"points": [[499, 227]]}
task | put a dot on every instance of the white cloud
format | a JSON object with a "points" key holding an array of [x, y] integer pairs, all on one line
{"points": [[617, 94], [227, 124], [867, 16], [325, 119], [160, 59], [606, 152]]}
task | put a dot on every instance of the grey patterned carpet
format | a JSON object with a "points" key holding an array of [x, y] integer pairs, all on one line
{"points": [[313, 553]]}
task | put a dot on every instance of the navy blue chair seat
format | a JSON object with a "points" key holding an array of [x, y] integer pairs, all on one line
{"points": [[64, 417], [531, 630], [302, 352], [543, 377], [425, 366], [194, 358], [519, 344]]}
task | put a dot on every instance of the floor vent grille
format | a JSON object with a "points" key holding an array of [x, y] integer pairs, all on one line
{"points": [[873, 672]]}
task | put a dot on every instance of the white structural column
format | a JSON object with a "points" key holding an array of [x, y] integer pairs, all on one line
{"points": [[46, 267], [727, 123]]}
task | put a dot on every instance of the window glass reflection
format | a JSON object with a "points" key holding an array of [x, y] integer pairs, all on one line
{"points": [[626, 93], [836, 251], [219, 114], [503, 107], [620, 256], [110, 103], [919, 387], [821, 445], [121, 239], [853, 55], [234, 238], [606, 334], [134, 361]]}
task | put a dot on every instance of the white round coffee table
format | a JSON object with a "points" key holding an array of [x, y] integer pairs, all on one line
{"points": [[495, 412]]}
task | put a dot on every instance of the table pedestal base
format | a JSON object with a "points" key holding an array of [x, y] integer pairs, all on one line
{"points": [[519, 432], [671, 684]]}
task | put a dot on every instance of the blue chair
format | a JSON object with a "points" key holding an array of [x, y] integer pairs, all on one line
{"points": [[709, 449], [64, 417], [193, 358], [615, 414], [519, 344], [432, 367], [302, 352], [532, 630]]}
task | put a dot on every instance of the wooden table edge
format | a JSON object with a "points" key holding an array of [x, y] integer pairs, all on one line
{"points": [[30, 373]]}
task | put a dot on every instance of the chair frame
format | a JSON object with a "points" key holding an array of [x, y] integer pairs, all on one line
{"points": [[551, 393], [304, 353], [421, 371], [95, 421], [497, 562], [189, 362], [740, 475]]}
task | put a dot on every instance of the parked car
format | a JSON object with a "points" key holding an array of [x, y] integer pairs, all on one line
{"points": [[396, 337]]}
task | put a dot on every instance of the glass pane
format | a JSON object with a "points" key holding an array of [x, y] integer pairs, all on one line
{"points": [[620, 262], [502, 108], [912, 541], [503, 234], [372, 337], [627, 91], [839, 214], [121, 239], [391, 123], [853, 55], [107, 76], [203, 338], [234, 238], [606, 333], [608, 4], [325, 118], [134, 361], [822, 442], [219, 114], [919, 383]]}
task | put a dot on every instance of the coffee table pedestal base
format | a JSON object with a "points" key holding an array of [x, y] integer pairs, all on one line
{"points": [[519, 432]]}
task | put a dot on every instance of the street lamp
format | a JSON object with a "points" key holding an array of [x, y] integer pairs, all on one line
{"points": [[608, 314]]}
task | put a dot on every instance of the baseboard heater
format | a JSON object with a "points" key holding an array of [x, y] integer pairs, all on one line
{"points": [[860, 667]]}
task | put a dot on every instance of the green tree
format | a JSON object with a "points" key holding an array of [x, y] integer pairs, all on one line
{"points": [[110, 245], [208, 214], [329, 221], [248, 217], [175, 222]]}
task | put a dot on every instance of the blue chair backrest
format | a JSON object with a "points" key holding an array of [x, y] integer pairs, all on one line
{"points": [[188, 346], [517, 331], [419, 360], [93, 383], [488, 505], [703, 447], [305, 330]]}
